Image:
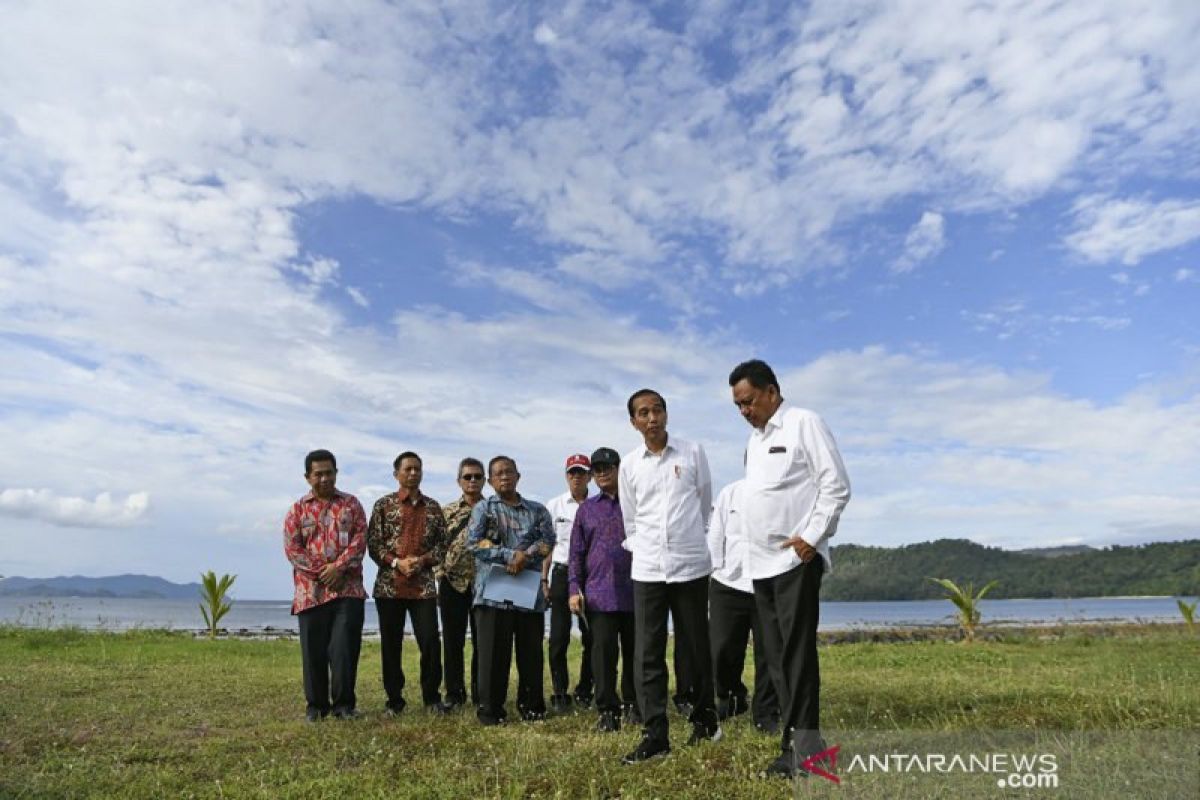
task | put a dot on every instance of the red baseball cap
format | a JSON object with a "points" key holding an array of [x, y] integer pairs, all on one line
{"points": [[578, 461]]}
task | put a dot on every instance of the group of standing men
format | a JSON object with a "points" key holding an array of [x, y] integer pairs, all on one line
{"points": [[649, 546]]}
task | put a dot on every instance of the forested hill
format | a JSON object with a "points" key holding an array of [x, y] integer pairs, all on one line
{"points": [[883, 573]]}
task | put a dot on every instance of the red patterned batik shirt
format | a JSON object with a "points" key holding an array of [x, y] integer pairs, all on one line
{"points": [[318, 532]]}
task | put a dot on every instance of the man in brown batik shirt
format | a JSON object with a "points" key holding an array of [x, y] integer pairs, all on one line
{"points": [[406, 537]]}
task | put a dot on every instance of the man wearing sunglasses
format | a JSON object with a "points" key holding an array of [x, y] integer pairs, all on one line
{"points": [[456, 591]]}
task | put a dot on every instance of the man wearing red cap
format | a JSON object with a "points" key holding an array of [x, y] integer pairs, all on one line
{"points": [[554, 583]]}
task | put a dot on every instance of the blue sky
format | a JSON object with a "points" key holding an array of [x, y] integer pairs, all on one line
{"points": [[966, 234]]}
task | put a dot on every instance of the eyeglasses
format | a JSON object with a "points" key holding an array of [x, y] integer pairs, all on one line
{"points": [[473, 476]]}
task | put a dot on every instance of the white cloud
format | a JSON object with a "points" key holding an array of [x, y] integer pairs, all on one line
{"points": [[924, 241], [544, 34], [74, 512], [1184, 275], [1127, 230]]}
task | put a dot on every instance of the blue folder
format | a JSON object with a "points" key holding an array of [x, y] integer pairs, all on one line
{"points": [[519, 591]]}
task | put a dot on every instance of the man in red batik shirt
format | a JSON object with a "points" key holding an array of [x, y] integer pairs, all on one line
{"points": [[325, 537]]}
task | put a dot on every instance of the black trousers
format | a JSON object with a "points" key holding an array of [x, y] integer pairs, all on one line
{"points": [[788, 608], [560, 639], [456, 617], [391, 647], [330, 641], [687, 604], [612, 632], [499, 630], [732, 617], [685, 684]]}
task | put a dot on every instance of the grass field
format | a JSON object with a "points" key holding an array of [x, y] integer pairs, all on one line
{"points": [[155, 714]]}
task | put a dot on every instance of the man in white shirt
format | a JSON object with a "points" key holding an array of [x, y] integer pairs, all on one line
{"points": [[666, 496], [795, 490], [733, 615], [554, 583]]}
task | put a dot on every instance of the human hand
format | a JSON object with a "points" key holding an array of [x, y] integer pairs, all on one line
{"points": [[805, 551], [517, 563], [576, 603], [328, 575]]}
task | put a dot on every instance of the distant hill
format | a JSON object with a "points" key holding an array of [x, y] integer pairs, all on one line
{"points": [[885, 573], [144, 586]]}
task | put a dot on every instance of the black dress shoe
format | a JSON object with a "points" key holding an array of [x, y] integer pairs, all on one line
{"points": [[437, 708], [784, 766], [560, 703], [731, 706], [770, 725], [314, 715], [647, 749], [632, 715], [705, 733], [583, 699], [684, 707], [347, 713], [610, 722]]}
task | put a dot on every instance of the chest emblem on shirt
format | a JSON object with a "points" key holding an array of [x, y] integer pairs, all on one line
{"points": [[777, 449], [678, 472]]}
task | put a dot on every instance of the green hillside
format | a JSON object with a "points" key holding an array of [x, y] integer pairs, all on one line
{"points": [[884, 573]]}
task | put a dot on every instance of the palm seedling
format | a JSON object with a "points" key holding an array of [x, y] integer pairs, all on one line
{"points": [[1189, 613], [966, 600], [214, 604]]}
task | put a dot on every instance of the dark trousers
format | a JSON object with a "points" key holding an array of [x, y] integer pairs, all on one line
{"points": [[456, 617], [788, 608], [612, 631], [560, 639], [330, 641], [685, 684], [732, 617], [499, 630], [687, 604], [423, 614]]}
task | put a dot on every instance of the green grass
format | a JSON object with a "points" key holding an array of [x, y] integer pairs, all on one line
{"points": [[155, 714]]}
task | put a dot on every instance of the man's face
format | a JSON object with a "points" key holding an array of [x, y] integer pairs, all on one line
{"points": [[577, 479], [470, 480], [408, 474], [606, 477], [649, 416], [755, 405], [321, 478], [504, 477]]}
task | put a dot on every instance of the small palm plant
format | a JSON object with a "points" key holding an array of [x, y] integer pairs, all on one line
{"points": [[1189, 614], [214, 603], [966, 599]]}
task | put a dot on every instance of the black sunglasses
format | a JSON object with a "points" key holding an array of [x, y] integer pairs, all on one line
{"points": [[471, 476]]}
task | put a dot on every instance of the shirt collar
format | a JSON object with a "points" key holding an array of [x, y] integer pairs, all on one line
{"points": [[413, 498], [776, 420], [646, 450], [338, 494]]}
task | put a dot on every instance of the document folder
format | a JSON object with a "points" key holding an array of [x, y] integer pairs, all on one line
{"points": [[519, 591]]}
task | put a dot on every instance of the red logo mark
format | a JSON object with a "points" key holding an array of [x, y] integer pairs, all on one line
{"points": [[810, 764]]}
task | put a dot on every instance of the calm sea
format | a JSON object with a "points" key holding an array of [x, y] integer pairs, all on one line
{"points": [[257, 616]]}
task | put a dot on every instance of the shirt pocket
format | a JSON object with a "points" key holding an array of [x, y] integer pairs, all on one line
{"points": [[771, 463]]}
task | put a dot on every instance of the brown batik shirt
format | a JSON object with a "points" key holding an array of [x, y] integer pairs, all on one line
{"points": [[406, 524]]}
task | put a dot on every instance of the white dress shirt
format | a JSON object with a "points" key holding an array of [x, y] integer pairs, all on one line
{"points": [[562, 510], [796, 485], [727, 542], [665, 502]]}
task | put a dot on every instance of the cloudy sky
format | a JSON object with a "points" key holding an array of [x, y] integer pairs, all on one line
{"points": [[968, 234]]}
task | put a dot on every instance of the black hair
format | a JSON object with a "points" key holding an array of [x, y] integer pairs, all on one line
{"points": [[406, 454], [318, 455], [643, 393], [495, 459], [468, 462], [756, 372]]}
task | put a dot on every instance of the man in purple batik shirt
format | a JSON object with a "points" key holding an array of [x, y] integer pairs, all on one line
{"points": [[601, 590]]}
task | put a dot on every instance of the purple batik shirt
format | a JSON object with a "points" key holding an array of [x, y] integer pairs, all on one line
{"points": [[598, 564]]}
